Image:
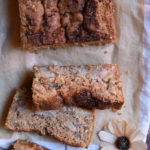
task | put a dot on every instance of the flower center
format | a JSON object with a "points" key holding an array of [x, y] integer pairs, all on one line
{"points": [[123, 143]]}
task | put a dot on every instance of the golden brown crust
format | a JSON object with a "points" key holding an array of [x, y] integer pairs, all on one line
{"points": [[42, 23], [95, 86], [92, 129], [25, 145]]}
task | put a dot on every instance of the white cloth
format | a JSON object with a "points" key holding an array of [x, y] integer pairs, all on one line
{"points": [[145, 93]]}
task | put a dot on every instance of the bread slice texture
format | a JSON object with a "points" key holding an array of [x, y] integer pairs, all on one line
{"points": [[88, 86], [70, 125], [25, 145]]}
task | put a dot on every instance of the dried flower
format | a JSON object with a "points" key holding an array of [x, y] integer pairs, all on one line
{"points": [[118, 135]]}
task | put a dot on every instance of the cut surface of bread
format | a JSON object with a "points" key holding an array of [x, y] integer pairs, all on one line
{"points": [[25, 145], [53, 23], [94, 86], [71, 125]]}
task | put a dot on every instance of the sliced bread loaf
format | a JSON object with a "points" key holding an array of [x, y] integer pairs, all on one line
{"points": [[95, 86], [71, 125], [25, 145]]}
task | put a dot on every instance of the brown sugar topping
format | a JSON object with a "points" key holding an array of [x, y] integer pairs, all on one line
{"points": [[48, 22], [96, 86]]}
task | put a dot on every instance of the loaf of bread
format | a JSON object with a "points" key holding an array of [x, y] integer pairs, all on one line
{"points": [[52, 23], [71, 125], [25, 145], [95, 86]]}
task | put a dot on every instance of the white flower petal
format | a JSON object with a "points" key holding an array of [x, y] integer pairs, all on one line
{"points": [[110, 128], [107, 137], [104, 144], [136, 136], [105, 128], [129, 130], [122, 127], [116, 129], [139, 145], [109, 148]]}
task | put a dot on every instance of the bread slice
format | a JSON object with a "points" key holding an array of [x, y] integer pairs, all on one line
{"points": [[25, 145], [95, 86], [71, 125]]}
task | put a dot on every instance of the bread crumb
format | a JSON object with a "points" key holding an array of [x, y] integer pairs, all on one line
{"points": [[119, 113], [34, 51], [127, 72], [114, 110], [105, 52]]}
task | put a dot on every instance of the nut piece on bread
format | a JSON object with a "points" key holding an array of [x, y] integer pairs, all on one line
{"points": [[52, 23], [25, 145], [95, 86], [70, 125]]}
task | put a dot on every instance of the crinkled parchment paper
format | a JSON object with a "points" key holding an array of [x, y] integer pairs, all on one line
{"points": [[16, 64]]}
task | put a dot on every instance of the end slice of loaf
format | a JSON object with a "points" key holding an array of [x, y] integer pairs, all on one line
{"points": [[94, 86], [71, 125], [25, 145]]}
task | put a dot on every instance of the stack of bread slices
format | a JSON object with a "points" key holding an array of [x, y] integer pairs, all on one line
{"points": [[63, 100]]}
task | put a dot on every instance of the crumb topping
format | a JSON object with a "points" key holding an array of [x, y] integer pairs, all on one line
{"points": [[85, 86], [47, 22]]}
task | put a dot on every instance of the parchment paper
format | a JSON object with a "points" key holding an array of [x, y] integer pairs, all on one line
{"points": [[16, 64]]}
